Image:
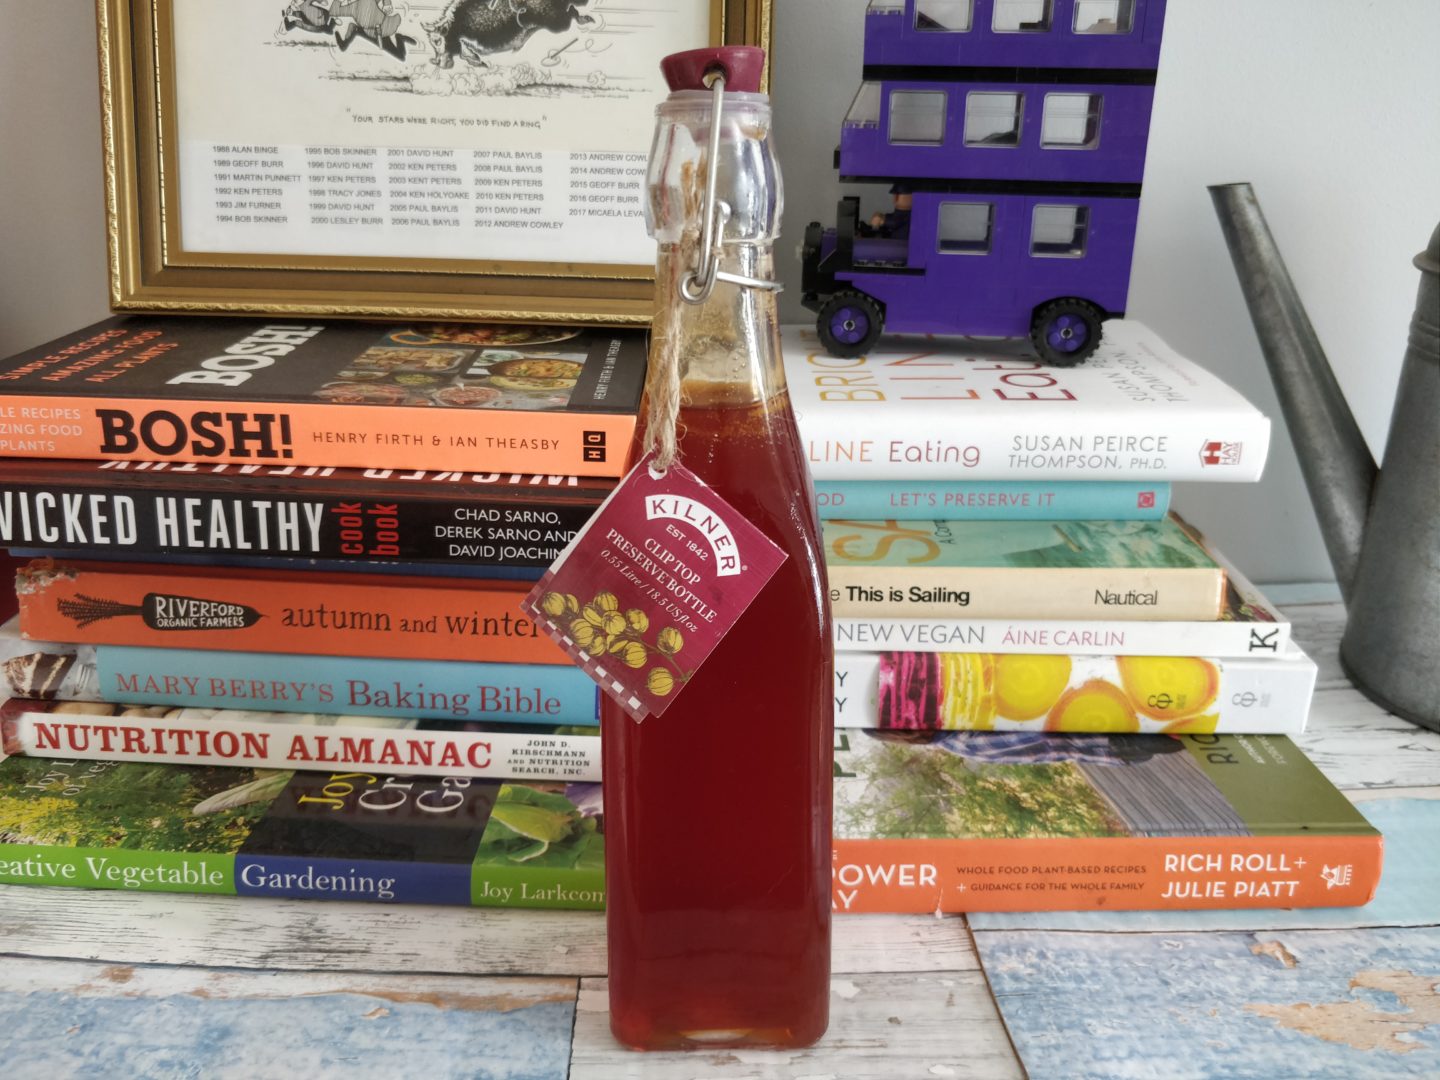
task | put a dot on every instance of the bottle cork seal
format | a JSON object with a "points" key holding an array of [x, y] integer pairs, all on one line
{"points": [[743, 66]]}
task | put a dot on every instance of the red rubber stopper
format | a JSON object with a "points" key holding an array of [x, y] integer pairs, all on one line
{"points": [[743, 66]]}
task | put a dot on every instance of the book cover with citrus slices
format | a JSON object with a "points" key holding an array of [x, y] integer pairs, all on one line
{"points": [[1034, 820], [1057, 692]]}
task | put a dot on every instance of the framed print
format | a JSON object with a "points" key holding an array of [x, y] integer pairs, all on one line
{"points": [[455, 159]]}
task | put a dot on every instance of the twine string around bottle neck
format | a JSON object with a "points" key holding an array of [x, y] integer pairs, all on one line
{"points": [[696, 285]]}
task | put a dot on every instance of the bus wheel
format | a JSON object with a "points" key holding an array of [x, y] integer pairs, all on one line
{"points": [[1066, 332], [849, 324]]}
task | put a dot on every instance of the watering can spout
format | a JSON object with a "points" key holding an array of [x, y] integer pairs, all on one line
{"points": [[1339, 469]]}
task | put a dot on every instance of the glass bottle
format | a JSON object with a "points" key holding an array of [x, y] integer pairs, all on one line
{"points": [[718, 811]]}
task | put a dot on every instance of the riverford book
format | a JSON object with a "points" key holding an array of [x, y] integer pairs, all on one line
{"points": [[549, 400], [931, 821], [347, 835], [926, 409], [1118, 570], [373, 615], [116, 509]]}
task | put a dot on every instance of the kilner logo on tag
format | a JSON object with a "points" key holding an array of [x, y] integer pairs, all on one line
{"points": [[592, 446], [1215, 452]]}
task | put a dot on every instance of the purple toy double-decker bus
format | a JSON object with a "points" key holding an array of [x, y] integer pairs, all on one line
{"points": [[1012, 134]]}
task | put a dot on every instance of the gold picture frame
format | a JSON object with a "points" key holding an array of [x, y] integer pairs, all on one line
{"points": [[151, 268]]}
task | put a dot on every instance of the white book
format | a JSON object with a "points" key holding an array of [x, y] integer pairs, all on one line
{"points": [[921, 408], [1248, 626], [1108, 694]]}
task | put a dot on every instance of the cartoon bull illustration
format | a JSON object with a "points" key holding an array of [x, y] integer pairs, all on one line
{"points": [[474, 29]]}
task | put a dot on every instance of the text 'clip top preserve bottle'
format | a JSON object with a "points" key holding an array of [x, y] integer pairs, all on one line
{"points": [[718, 811]]}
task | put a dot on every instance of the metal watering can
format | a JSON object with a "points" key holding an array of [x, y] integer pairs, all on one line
{"points": [[1381, 527]]}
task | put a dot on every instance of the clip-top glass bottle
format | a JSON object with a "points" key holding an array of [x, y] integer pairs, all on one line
{"points": [[718, 811]]}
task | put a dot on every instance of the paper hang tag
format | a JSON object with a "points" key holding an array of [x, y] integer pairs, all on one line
{"points": [[651, 585]]}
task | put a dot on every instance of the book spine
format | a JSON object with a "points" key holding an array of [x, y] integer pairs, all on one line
{"points": [[98, 519], [355, 615], [982, 692], [914, 444], [288, 682], [964, 500], [1078, 637], [1025, 592], [292, 565], [326, 434], [259, 740], [118, 868], [1108, 874]]}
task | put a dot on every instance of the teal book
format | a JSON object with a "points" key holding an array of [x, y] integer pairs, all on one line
{"points": [[1115, 570], [347, 835], [981, 500]]}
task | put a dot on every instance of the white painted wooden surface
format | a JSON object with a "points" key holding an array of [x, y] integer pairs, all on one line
{"points": [[910, 998]]}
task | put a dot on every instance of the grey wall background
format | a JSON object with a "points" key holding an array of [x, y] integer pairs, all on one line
{"points": [[1330, 107]]}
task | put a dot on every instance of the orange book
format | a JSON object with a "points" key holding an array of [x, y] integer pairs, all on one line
{"points": [[1028, 821], [507, 399], [281, 612]]}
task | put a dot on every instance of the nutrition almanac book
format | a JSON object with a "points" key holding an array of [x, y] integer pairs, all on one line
{"points": [[523, 399]]}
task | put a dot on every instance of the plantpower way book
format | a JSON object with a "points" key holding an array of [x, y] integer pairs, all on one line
{"points": [[924, 822], [937, 409], [555, 400]]}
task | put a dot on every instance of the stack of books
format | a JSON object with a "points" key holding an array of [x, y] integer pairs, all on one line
{"points": [[269, 637], [1051, 692], [309, 676]]}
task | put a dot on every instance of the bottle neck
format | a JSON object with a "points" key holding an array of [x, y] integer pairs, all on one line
{"points": [[727, 348]]}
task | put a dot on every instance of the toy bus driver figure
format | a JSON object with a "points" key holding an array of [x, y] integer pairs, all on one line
{"points": [[896, 224]]}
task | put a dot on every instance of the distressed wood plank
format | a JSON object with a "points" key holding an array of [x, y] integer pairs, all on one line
{"points": [[1318, 628], [1322, 1004], [298, 935], [1409, 893], [1357, 744], [882, 1027], [64, 1018]]}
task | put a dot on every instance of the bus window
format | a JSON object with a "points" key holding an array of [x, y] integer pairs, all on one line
{"points": [[865, 109], [965, 228], [1104, 16], [993, 118], [1059, 232], [1070, 122], [1021, 16], [944, 16], [917, 116]]}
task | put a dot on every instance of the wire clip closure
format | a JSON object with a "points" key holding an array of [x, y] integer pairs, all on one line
{"points": [[697, 285]]}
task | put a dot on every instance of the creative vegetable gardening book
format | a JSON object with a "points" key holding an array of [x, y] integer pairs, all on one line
{"points": [[1117, 570], [347, 835], [919, 408], [1030, 821], [301, 392]]}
